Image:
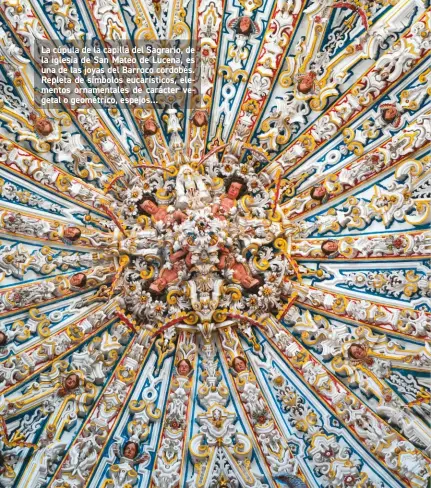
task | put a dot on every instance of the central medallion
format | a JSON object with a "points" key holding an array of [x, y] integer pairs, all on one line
{"points": [[195, 248]]}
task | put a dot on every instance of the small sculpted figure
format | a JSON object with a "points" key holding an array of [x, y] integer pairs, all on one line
{"points": [[149, 127], [184, 367], [235, 188], [200, 118], [306, 83], [72, 234], [149, 207], [70, 384], [239, 364], [240, 272], [357, 351], [329, 248], [244, 26], [130, 450], [319, 193], [41, 125], [78, 280], [390, 113]]}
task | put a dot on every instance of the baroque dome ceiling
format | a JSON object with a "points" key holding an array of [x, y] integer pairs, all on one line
{"points": [[227, 289]]}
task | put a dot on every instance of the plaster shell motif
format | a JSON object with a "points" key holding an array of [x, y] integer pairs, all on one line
{"points": [[231, 291]]}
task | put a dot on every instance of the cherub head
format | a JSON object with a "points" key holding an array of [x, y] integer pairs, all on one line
{"points": [[147, 205], [244, 26], [239, 364], [200, 118], [130, 450], [235, 187], [318, 192], [306, 83], [329, 247], [149, 127], [72, 233], [389, 113], [184, 367], [41, 125], [357, 351], [71, 382], [78, 280], [3, 339]]}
